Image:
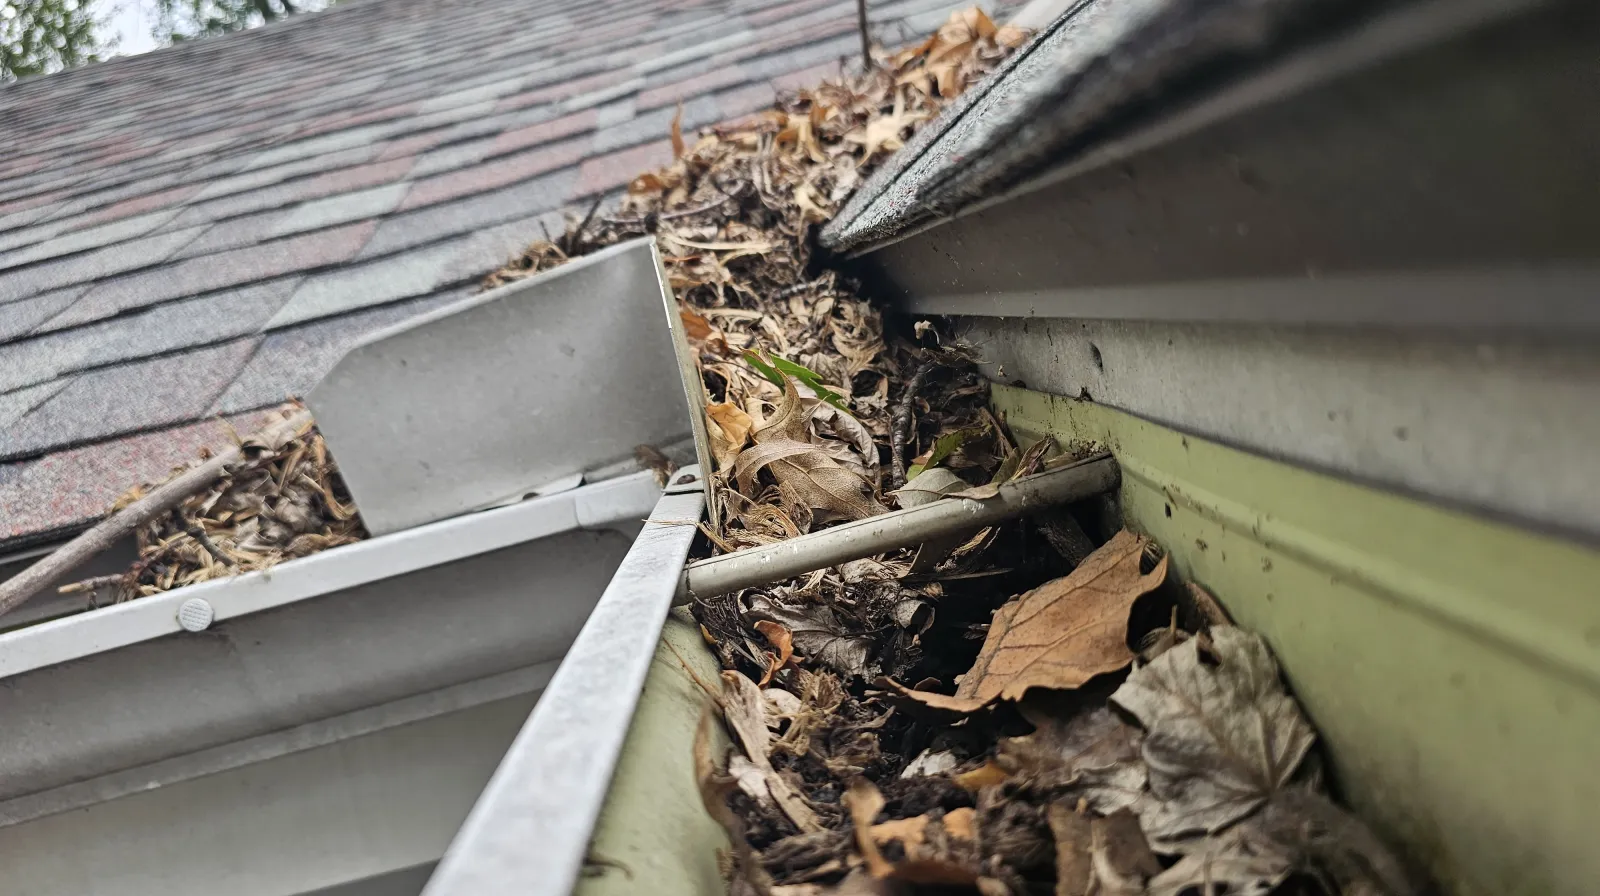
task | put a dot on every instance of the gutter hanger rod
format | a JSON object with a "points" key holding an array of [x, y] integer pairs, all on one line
{"points": [[897, 529]]}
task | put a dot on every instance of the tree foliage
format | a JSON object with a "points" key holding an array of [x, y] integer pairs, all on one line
{"points": [[187, 19], [38, 36]]}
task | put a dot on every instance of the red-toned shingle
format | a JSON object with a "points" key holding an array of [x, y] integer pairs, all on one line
{"points": [[807, 77], [552, 92], [144, 203], [410, 146], [608, 172], [688, 88], [497, 173], [357, 177], [745, 100], [543, 132], [75, 487]]}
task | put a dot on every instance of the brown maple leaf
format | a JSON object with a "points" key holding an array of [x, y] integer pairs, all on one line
{"points": [[1062, 633]]}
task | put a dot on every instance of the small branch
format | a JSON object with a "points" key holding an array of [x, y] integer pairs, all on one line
{"points": [[866, 37], [200, 537], [644, 220], [575, 239], [900, 424], [162, 499], [92, 585]]}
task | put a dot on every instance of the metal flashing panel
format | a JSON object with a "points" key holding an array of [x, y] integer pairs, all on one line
{"points": [[498, 395], [530, 830]]}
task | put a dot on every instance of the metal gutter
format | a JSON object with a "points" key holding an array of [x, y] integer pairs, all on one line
{"points": [[1448, 661], [1418, 172], [118, 713], [589, 507], [1347, 258]]}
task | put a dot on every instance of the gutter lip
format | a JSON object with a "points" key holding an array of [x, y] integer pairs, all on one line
{"points": [[601, 505]]}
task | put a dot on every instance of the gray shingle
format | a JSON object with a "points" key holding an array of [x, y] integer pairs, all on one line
{"points": [[318, 213], [811, 54], [240, 193], [178, 325], [291, 361], [472, 96], [95, 265], [20, 317], [449, 158], [486, 249], [612, 114], [379, 282], [94, 237], [24, 235], [15, 405], [233, 233], [653, 125], [467, 114], [313, 148], [130, 397], [696, 50], [450, 218], [604, 95]]}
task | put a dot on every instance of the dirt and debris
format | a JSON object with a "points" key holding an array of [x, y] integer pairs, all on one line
{"points": [[1035, 707], [805, 389], [279, 502]]}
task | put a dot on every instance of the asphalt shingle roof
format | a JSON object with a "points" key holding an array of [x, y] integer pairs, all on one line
{"points": [[201, 231]]}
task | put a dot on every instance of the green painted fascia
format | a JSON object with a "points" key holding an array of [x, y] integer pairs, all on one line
{"points": [[654, 834], [1451, 663]]}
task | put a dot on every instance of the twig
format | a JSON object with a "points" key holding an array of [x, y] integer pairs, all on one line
{"points": [[900, 425], [160, 500], [200, 537], [644, 220], [575, 239], [715, 695], [866, 38], [92, 585]]}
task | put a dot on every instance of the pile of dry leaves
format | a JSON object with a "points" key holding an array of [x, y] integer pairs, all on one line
{"points": [[799, 374], [278, 502], [1065, 761]]}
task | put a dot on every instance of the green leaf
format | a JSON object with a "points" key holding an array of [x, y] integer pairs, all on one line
{"points": [[950, 442], [765, 369], [806, 377]]}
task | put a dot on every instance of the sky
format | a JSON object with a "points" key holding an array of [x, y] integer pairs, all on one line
{"points": [[130, 23]]}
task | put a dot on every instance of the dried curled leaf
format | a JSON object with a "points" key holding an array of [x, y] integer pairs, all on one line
{"points": [[1100, 856], [1094, 756], [1220, 737], [937, 851], [929, 486], [1242, 862], [1062, 633], [744, 709], [730, 432], [804, 471], [819, 634], [781, 639]]}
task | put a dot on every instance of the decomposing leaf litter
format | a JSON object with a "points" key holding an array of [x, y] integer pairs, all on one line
{"points": [[278, 502], [1028, 708]]}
